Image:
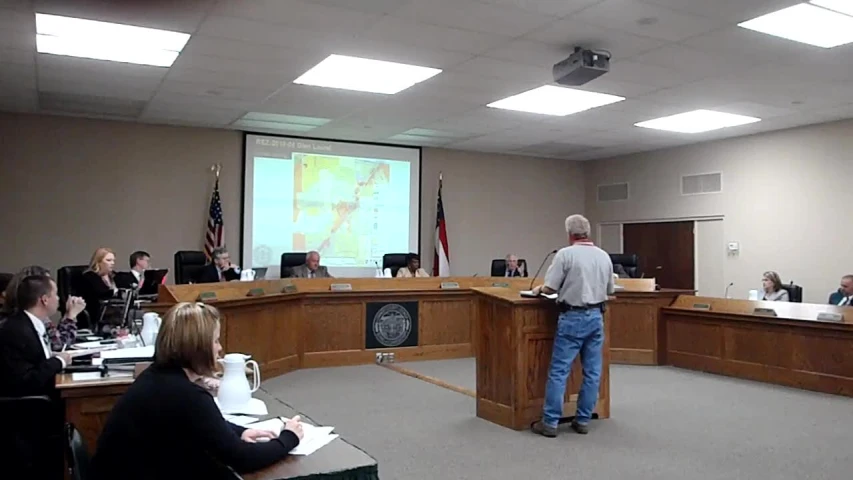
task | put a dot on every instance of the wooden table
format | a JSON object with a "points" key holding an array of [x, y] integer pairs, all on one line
{"points": [[792, 349], [88, 403], [515, 338]]}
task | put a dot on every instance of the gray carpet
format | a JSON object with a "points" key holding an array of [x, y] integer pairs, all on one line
{"points": [[667, 424]]}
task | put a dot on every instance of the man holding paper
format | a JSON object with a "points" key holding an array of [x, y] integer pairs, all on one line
{"points": [[582, 275]]}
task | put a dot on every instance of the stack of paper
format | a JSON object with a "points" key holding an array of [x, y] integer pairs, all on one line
{"points": [[313, 437]]}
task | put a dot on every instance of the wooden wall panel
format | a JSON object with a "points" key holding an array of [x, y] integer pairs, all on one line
{"points": [[446, 321], [495, 347], [333, 327]]}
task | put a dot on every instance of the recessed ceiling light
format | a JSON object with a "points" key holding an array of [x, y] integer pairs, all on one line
{"points": [[557, 101], [841, 6], [365, 75], [805, 23], [697, 121], [77, 37]]}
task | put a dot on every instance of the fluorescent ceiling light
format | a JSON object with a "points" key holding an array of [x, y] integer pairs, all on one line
{"points": [[557, 101], [77, 37], [697, 121], [365, 75], [806, 23], [841, 6]]}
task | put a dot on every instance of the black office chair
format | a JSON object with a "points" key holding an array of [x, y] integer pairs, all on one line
{"points": [[290, 260], [795, 292], [30, 442], [499, 266], [188, 264], [394, 261], [76, 453], [5, 278], [68, 280], [629, 261]]}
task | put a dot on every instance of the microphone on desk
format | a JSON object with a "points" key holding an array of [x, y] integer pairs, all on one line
{"points": [[726, 295], [533, 280], [379, 272]]}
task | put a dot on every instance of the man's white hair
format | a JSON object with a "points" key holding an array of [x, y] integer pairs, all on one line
{"points": [[577, 225]]}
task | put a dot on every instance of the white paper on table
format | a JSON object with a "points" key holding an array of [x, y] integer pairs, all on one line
{"points": [[91, 344], [256, 407], [90, 351], [313, 437], [309, 446], [88, 376], [146, 352], [241, 420]]}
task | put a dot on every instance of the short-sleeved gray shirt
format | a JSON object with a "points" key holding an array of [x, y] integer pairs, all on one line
{"points": [[582, 274]]}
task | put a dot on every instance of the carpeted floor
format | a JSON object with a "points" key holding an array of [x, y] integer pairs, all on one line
{"points": [[666, 424]]}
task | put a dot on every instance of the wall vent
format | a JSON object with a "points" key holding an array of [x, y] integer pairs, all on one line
{"points": [[702, 183], [613, 193]]}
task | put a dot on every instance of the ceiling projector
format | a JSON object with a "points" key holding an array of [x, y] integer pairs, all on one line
{"points": [[581, 67]]}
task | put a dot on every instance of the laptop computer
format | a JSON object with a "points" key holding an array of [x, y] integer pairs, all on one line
{"points": [[153, 278], [260, 273]]}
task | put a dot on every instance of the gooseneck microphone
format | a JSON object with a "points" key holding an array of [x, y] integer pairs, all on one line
{"points": [[533, 280], [726, 295]]}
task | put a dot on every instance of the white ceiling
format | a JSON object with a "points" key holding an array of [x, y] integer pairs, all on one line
{"points": [[244, 55]]}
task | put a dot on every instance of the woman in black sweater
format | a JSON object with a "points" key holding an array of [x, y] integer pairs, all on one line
{"points": [[168, 426], [97, 283]]}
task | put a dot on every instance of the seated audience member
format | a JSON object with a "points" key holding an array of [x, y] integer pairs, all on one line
{"points": [[311, 268], [843, 297], [220, 269], [513, 268], [97, 283], [412, 268], [138, 264], [772, 288], [60, 333], [172, 423], [27, 366]]}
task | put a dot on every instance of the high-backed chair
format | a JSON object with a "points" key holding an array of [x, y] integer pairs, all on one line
{"points": [[290, 260], [629, 261], [188, 264], [795, 292], [394, 261], [30, 441], [499, 267], [5, 278], [76, 453], [68, 280]]}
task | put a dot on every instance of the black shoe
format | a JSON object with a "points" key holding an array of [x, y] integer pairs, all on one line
{"points": [[580, 428], [542, 429]]}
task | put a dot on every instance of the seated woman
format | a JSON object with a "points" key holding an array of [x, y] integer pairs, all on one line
{"points": [[60, 333], [412, 268], [97, 283], [773, 291], [171, 424]]}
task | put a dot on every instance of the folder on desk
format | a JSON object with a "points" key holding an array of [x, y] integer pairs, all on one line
{"points": [[529, 294]]}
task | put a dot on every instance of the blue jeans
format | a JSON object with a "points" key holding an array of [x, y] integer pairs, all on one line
{"points": [[578, 331]]}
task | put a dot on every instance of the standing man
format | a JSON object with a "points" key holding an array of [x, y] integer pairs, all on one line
{"points": [[311, 268], [582, 275]]}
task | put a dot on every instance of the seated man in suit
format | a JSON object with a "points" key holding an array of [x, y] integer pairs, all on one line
{"points": [[27, 365], [843, 297], [513, 268], [219, 269], [139, 262], [412, 268], [311, 268]]}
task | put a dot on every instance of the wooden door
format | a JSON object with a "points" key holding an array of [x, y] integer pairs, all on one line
{"points": [[666, 251]]}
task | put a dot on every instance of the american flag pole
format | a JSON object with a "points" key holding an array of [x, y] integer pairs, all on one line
{"points": [[441, 258], [215, 235]]}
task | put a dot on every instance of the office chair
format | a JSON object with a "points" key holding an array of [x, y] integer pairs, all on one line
{"points": [[29, 448], [795, 292], [5, 278], [290, 260], [629, 261], [499, 267], [68, 280], [394, 261], [76, 453], [188, 264]]}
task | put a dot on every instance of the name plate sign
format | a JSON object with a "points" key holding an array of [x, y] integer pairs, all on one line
{"points": [[830, 317], [255, 292], [702, 306], [289, 288], [207, 297], [449, 285], [340, 287], [766, 312], [500, 285]]}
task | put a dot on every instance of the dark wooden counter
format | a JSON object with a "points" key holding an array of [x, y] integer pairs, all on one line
{"points": [[793, 348], [635, 325]]}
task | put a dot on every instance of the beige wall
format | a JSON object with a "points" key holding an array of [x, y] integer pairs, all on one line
{"points": [[785, 198], [70, 185]]}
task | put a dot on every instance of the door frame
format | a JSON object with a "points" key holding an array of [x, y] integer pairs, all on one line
{"points": [[695, 219]]}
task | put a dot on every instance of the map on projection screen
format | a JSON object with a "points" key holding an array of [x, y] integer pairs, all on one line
{"points": [[338, 206]]}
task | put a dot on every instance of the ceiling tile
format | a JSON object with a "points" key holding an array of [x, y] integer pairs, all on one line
{"points": [[467, 87], [641, 73], [749, 44], [474, 16], [397, 52], [84, 69], [694, 63], [212, 93], [18, 99], [265, 33], [298, 13], [647, 20], [319, 102], [423, 35], [729, 10], [16, 75], [492, 67], [182, 16], [568, 33], [17, 56], [558, 8], [367, 6], [529, 52]]}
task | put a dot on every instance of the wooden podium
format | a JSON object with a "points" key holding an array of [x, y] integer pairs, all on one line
{"points": [[513, 337]]}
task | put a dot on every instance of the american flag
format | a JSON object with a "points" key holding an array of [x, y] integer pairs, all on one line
{"points": [[441, 261], [215, 235]]}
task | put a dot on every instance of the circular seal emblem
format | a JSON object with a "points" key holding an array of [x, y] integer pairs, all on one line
{"points": [[262, 255], [392, 325]]}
